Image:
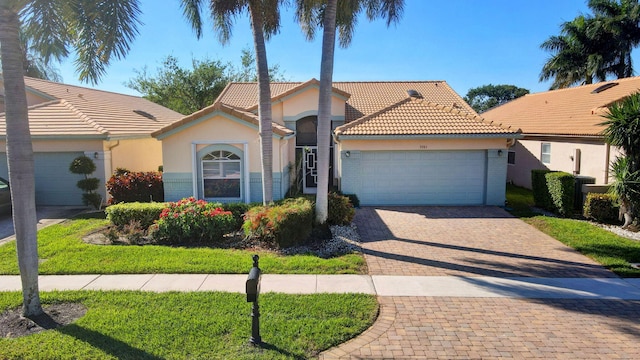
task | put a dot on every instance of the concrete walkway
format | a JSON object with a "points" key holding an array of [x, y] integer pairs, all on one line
{"points": [[381, 285]]}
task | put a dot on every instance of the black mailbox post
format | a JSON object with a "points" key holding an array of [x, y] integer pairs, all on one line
{"points": [[253, 290]]}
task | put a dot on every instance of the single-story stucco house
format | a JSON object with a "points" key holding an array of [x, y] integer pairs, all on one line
{"points": [[69, 121], [394, 143], [561, 130]]}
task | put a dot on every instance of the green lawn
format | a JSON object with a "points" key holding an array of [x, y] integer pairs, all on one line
{"points": [[201, 325], [62, 251], [612, 251]]}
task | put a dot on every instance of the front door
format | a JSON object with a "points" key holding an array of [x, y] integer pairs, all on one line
{"points": [[310, 170], [307, 154]]}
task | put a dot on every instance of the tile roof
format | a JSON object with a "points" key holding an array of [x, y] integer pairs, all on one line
{"points": [[238, 113], [385, 108], [366, 97], [414, 116], [75, 110], [573, 111]]}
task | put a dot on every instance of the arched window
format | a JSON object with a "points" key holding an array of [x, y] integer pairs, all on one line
{"points": [[221, 173], [306, 134]]}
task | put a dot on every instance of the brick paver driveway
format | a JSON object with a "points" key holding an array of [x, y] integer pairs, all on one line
{"points": [[483, 241]]}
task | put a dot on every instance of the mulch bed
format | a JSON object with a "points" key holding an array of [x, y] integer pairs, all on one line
{"points": [[13, 324]]}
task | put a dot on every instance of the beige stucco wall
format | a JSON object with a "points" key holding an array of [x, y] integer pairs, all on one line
{"points": [[594, 160], [177, 148], [426, 144], [32, 99], [301, 104], [135, 154]]}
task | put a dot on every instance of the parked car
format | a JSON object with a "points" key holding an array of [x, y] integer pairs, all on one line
{"points": [[5, 196]]}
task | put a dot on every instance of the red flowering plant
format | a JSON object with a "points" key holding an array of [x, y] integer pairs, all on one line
{"points": [[193, 222]]}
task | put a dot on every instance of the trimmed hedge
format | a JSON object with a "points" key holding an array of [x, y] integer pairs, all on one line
{"points": [[553, 191], [123, 214], [287, 224], [561, 187], [541, 196], [602, 208], [126, 186]]}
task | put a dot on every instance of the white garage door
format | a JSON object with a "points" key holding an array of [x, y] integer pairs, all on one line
{"points": [[423, 177]]}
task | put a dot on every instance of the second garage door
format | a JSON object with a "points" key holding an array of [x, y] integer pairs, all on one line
{"points": [[55, 184], [422, 177]]}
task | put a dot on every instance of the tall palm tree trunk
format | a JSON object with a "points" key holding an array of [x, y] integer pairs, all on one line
{"points": [[264, 101], [20, 160], [324, 109]]}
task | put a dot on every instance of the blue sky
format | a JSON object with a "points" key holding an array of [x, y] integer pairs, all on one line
{"points": [[467, 43]]}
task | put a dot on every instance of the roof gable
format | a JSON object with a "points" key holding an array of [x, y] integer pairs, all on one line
{"points": [[573, 111], [209, 111]]}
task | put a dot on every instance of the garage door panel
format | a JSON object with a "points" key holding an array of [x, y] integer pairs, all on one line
{"points": [[422, 178]]}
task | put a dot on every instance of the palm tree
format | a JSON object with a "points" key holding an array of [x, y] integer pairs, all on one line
{"points": [[621, 20], [341, 16], [97, 31], [582, 54], [623, 131], [33, 64], [265, 21]]}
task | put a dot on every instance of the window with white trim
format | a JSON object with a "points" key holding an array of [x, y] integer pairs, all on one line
{"points": [[221, 174], [545, 153]]}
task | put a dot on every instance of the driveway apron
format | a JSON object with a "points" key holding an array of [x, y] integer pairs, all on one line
{"points": [[471, 242]]}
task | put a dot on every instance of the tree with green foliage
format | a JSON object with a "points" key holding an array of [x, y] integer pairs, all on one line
{"points": [[619, 19], [264, 16], [342, 16], [189, 90], [595, 46], [485, 97], [83, 165], [581, 55], [183, 90], [97, 32], [623, 131], [33, 63]]}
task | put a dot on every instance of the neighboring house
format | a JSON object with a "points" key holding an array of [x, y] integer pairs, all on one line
{"points": [[394, 143], [69, 121], [562, 130]]}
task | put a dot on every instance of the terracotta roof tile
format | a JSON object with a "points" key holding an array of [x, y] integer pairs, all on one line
{"points": [[420, 117], [366, 97], [573, 111], [113, 114], [238, 113]]}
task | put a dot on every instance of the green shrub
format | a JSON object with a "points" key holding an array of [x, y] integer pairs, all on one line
{"points": [[541, 196], [192, 222], [340, 210], [238, 210], [602, 208], [561, 187], [354, 199], [126, 186], [85, 166], [124, 214], [286, 224]]}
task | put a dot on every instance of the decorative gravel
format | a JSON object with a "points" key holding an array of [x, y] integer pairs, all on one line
{"points": [[633, 235], [344, 240]]}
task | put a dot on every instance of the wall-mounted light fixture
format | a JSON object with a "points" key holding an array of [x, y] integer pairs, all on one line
{"points": [[95, 155], [499, 152], [347, 153]]}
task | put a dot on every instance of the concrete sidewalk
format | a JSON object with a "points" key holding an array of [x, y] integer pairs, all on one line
{"points": [[382, 285]]}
